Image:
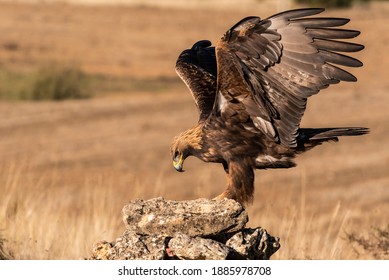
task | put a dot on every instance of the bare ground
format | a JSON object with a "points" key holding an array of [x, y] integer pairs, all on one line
{"points": [[67, 168]]}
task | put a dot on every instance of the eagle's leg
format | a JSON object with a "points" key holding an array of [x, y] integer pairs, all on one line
{"points": [[240, 182]]}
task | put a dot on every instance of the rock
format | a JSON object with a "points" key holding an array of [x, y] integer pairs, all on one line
{"points": [[199, 229], [195, 248], [102, 250], [254, 243], [201, 217], [131, 246]]}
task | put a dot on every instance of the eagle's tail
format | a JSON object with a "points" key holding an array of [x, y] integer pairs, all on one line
{"points": [[311, 137]]}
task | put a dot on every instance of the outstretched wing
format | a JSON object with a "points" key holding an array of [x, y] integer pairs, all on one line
{"points": [[197, 68], [270, 67]]}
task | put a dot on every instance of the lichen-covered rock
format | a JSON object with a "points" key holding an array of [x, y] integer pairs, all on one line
{"points": [[196, 248], [131, 246], [254, 243], [102, 250], [197, 229], [201, 217]]}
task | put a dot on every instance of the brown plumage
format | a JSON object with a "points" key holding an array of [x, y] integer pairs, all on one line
{"points": [[251, 92]]}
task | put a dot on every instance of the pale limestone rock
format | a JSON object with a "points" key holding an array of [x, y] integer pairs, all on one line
{"points": [[196, 248], [131, 246], [196, 229], [201, 217]]}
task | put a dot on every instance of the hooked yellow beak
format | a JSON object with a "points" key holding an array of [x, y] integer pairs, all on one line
{"points": [[178, 163]]}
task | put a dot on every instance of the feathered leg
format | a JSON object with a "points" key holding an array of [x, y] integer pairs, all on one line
{"points": [[240, 182]]}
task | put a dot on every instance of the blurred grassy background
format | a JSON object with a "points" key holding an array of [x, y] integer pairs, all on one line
{"points": [[60, 82], [67, 168]]}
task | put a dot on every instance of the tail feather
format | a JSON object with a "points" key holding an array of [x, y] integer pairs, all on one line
{"points": [[311, 137]]}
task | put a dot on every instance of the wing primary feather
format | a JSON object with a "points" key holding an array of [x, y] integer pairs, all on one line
{"points": [[331, 33], [321, 22], [297, 13], [338, 46], [339, 59], [332, 72]]}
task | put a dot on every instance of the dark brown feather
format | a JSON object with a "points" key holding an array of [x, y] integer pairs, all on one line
{"points": [[251, 92], [197, 68]]}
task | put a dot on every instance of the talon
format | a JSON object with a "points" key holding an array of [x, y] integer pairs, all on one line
{"points": [[223, 195]]}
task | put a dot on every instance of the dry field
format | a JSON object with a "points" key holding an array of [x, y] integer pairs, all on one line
{"points": [[67, 168]]}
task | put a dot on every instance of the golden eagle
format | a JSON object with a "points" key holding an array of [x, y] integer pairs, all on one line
{"points": [[251, 91]]}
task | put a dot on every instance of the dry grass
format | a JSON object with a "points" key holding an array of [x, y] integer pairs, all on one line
{"points": [[66, 169], [376, 243], [41, 216], [4, 255]]}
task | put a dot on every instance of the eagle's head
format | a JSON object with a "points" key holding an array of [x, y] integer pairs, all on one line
{"points": [[180, 151], [184, 145]]}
